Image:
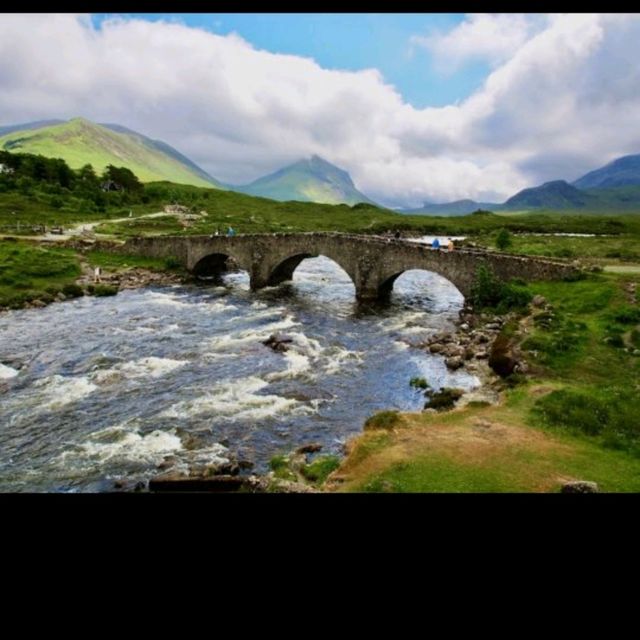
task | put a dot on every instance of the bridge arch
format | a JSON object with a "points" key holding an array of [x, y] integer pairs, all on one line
{"points": [[214, 264], [386, 287], [284, 268]]}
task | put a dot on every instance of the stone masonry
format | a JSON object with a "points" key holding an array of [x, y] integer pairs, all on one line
{"points": [[372, 263]]}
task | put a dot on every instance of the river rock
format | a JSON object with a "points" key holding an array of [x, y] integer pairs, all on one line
{"points": [[277, 342], [60, 297], [481, 338], [173, 482], [454, 363], [482, 355], [469, 353], [453, 350], [538, 301], [38, 303], [436, 348], [312, 447], [580, 486], [464, 327], [492, 326]]}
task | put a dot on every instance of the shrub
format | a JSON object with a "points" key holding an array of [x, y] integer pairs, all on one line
{"points": [[488, 291], [382, 420], [104, 290], [72, 290], [503, 239], [172, 262], [443, 399], [418, 383]]}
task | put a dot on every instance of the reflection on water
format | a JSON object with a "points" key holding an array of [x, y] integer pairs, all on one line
{"points": [[98, 389]]}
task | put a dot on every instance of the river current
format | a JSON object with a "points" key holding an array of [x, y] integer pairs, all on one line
{"points": [[97, 390]]}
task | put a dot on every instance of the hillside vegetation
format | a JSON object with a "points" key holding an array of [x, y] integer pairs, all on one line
{"points": [[80, 142]]}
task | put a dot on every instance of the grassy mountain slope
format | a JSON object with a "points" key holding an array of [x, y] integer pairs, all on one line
{"points": [[551, 195], [621, 172], [312, 180], [79, 142]]}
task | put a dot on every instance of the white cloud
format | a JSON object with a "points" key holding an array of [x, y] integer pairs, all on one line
{"points": [[491, 37], [564, 97]]}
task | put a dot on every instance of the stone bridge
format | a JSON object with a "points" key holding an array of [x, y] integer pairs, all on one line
{"points": [[373, 263]]}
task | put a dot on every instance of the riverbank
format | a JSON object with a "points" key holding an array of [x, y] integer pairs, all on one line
{"points": [[571, 415], [35, 274]]}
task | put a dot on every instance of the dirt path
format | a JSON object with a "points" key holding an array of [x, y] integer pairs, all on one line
{"points": [[87, 228]]}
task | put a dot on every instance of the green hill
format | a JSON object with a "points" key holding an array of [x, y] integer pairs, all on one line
{"points": [[81, 142], [312, 180], [557, 194], [621, 172]]}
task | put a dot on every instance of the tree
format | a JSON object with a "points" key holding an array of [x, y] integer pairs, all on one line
{"points": [[503, 239], [123, 177]]}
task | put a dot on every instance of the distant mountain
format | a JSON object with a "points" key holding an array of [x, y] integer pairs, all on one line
{"points": [[457, 208], [312, 180], [39, 124], [81, 142], [551, 195], [622, 172]]}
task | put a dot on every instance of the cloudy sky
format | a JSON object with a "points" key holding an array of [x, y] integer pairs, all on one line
{"points": [[416, 107]]}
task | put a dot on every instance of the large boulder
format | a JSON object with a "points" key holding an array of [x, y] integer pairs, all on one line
{"points": [[501, 357], [580, 486], [454, 362]]}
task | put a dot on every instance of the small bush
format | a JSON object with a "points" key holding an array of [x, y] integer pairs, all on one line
{"points": [[72, 290], [503, 239], [172, 263], [488, 291], [418, 383], [382, 420], [443, 399], [104, 290]]}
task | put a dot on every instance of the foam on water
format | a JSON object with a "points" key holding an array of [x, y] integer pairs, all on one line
{"points": [[236, 400], [58, 391], [144, 367], [7, 372], [119, 443]]}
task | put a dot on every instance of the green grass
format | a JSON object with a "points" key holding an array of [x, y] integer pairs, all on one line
{"points": [[318, 470], [114, 261], [441, 475], [29, 271]]}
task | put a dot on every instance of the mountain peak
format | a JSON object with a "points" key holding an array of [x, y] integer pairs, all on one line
{"points": [[312, 179]]}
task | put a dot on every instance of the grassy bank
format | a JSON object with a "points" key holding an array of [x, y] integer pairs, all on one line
{"points": [[29, 271], [576, 417]]}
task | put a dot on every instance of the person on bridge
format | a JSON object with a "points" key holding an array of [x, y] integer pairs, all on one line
{"points": [[435, 244], [396, 235], [450, 245], [231, 232]]}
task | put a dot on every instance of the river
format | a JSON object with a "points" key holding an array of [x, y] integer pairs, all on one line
{"points": [[97, 390]]}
